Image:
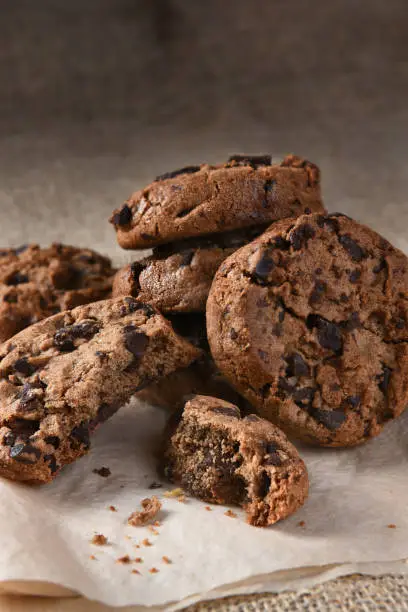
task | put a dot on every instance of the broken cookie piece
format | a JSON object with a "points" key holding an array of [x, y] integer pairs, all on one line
{"points": [[150, 507], [61, 378], [220, 457]]}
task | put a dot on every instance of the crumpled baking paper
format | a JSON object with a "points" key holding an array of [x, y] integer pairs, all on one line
{"points": [[355, 520]]}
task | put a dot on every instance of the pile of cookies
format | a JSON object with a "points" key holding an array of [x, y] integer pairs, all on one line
{"points": [[273, 316]]}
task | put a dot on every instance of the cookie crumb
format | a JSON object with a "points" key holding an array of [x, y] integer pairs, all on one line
{"points": [[103, 471], [174, 493], [153, 530], [124, 560], [146, 542], [134, 571], [208, 509], [230, 513], [301, 523], [138, 560], [113, 509], [157, 524], [181, 499], [155, 485], [92, 557], [136, 546], [151, 506], [391, 526], [166, 560], [153, 570], [99, 540]]}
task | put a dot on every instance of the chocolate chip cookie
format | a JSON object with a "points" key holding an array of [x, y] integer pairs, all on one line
{"points": [[198, 200], [178, 276], [62, 377], [36, 283], [310, 323], [216, 455]]}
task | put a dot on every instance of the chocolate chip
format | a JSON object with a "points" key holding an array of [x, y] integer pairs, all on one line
{"points": [[318, 271], [123, 217], [300, 236], [19, 452], [303, 396], [354, 276], [80, 433], [53, 440], [264, 485], [296, 365], [52, 463], [329, 223], [103, 471], [328, 334], [352, 247], [251, 160], [101, 354], [64, 337], [28, 399], [400, 323], [17, 279], [331, 419], [344, 298], [281, 316], [381, 266], [269, 185], [307, 211], [264, 265], [281, 243], [135, 341], [63, 340], [9, 439], [22, 366], [134, 305], [85, 329], [233, 334], [174, 173], [227, 411], [187, 257], [384, 379], [353, 400], [23, 427], [318, 291]]}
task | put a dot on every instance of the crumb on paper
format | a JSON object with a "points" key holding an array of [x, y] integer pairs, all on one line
{"points": [[391, 526], [150, 507], [103, 471], [113, 509], [230, 513], [153, 570], [124, 560], [136, 546], [146, 542], [174, 493], [301, 523], [157, 524], [153, 530], [208, 509], [166, 560], [155, 485], [135, 571], [127, 537], [92, 557], [99, 539], [181, 499], [138, 560]]}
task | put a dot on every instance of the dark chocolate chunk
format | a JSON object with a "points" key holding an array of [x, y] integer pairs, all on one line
{"points": [[353, 400], [264, 485], [85, 329], [356, 252], [80, 433], [63, 340], [303, 396], [380, 266], [53, 440], [384, 379], [296, 365], [174, 173], [17, 279], [52, 463], [281, 243], [9, 439], [233, 334], [25, 453], [300, 236], [135, 341], [328, 334], [103, 471], [23, 428], [344, 298], [331, 419], [187, 257], [264, 265], [135, 305], [318, 291], [123, 217], [227, 411], [251, 160], [101, 354], [22, 366], [329, 223], [354, 276]]}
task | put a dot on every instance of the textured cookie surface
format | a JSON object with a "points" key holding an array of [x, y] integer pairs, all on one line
{"points": [[222, 458], [178, 276], [36, 283], [205, 199], [63, 376], [310, 322]]}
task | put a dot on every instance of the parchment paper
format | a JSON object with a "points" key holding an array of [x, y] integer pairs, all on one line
{"points": [[355, 495]]}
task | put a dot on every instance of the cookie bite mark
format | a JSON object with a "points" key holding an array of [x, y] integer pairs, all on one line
{"points": [[55, 389], [221, 458], [332, 292]]}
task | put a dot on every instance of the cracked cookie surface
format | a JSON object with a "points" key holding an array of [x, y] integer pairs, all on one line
{"points": [[199, 200], [178, 276], [220, 457], [310, 323], [36, 283], [64, 376]]}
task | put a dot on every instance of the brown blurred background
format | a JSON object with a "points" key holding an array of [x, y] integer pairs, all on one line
{"points": [[98, 96]]}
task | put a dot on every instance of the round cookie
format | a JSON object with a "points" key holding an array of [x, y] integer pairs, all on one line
{"points": [[199, 200], [178, 276], [310, 323], [36, 283], [221, 458]]}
